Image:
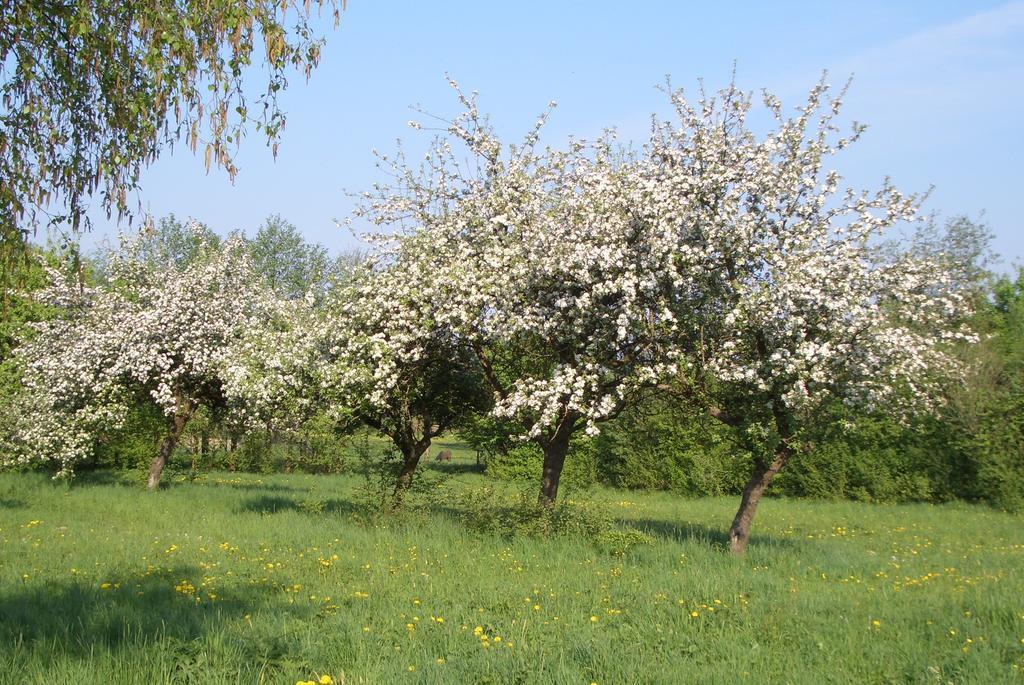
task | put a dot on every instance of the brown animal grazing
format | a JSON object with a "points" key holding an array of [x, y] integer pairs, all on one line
{"points": [[444, 455]]}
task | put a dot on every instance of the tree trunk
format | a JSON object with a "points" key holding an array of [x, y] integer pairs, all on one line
{"points": [[411, 454], [555, 450], [763, 474], [170, 441]]}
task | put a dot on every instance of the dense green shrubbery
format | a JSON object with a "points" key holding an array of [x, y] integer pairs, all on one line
{"points": [[136, 443], [497, 512], [997, 454], [380, 464], [873, 460], [525, 462], [317, 446], [662, 446], [996, 445]]}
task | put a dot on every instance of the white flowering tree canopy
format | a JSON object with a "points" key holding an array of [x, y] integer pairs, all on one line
{"points": [[786, 301], [152, 331], [535, 261], [273, 369], [369, 353], [533, 257]]}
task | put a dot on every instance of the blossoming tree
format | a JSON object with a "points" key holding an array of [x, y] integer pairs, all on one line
{"points": [[395, 369], [790, 311], [160, 331], [370, 354], [533, 258]]}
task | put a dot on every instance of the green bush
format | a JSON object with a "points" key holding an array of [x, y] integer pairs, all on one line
{"points": [[490, 511], [873, 460], [494, 512], [255, 454], [318, 446], [661, 446], [525, 462], [380, 465], [136, 444], [997, 453]]}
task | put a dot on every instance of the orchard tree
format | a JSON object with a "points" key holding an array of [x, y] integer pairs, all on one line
{"points": [[372, 355], [158, 331], [534, 260], [166, 242], [173, 242], [396, 369], [962, 245], [787, 306]]}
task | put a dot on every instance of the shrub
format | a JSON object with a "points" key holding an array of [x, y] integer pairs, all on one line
{"points": [[491, 511], [662, 446], [135, 444], [997, 452], [525, 462], [873, 460], [380, 466]]}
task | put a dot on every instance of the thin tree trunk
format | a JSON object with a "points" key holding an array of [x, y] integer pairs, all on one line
{"points": [[739, 532], [555, 450], [232, 446], [170, 441]]}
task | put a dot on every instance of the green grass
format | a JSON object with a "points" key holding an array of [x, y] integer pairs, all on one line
{"points": [[244, 579]]}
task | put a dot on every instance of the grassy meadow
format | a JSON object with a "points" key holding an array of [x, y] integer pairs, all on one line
{"points": [[227, 578]]}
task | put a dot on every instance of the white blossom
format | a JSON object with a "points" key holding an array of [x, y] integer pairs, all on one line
{"points": [[152, 330]]}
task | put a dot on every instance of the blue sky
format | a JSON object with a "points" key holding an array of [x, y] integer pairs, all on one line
{"points": [[941, 85]]}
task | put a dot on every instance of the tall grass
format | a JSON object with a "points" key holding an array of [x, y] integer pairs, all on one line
{"points": [[247, 579]]}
